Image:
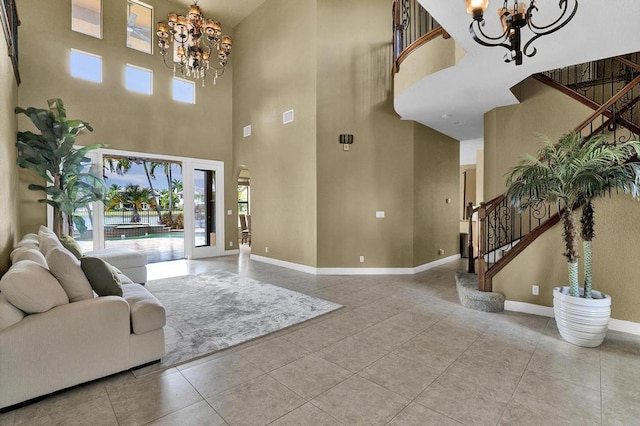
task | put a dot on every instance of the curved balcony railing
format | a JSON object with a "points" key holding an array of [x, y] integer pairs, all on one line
{"points": [[412, 27]]}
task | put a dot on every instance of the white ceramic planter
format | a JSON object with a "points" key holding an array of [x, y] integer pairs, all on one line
{"points": [[583, 322]]}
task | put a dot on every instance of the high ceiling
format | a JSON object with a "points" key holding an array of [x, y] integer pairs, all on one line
{"points": [[453, 101], [228, 12]]}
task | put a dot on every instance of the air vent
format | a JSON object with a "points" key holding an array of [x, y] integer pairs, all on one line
{"points": [[287, 117]]}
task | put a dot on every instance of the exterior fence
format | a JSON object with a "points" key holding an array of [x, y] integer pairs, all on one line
{"points": [[123, 217]]}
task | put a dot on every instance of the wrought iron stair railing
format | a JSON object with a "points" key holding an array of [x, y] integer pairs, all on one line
{"points": [[609, 86], [504, 231], [413, 26]]}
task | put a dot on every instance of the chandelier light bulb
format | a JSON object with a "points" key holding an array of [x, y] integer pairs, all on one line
{"points": [[477, 7]]}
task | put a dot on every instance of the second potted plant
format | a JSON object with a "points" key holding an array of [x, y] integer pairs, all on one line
{"points": [[572, 173]]}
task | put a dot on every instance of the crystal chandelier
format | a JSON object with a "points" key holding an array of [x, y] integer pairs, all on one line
{"points": [[513, 19], [192, 43]]}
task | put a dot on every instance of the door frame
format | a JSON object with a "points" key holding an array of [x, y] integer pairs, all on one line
{"points": [[190, 249]]}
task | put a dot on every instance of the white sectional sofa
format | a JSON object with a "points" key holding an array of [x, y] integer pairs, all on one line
{"points": [[55, 332]]}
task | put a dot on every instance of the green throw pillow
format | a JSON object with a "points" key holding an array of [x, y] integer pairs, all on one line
{"points": [[72, 245], [103, 278]]}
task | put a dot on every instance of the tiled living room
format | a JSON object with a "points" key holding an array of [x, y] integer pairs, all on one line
{"points": [[346, 186], [401, 351]]}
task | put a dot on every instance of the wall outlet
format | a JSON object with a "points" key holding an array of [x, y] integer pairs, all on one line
{"points": [[380, 214], [361, 259], [230, 243], [535, 290], [266, 249], [441, 252], [229, 212]]}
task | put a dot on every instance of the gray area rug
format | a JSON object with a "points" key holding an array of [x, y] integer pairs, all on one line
{"points": [[213, 311]]}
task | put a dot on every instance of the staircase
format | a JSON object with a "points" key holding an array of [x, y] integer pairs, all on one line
{"points": [[611, 87]]}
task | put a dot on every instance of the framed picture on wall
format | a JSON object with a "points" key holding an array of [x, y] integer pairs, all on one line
{"points": [[10, 22], [139, 19]]}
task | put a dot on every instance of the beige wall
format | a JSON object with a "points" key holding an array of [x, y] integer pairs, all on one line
{"points": [[510, 132], [123, 120], [355, 97], [617, 219], [436, 55], [275, 71], [312, 202], [436, 195], [9, 217]]}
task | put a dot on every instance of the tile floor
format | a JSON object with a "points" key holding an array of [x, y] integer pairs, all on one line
{"points": [[401, 352]]}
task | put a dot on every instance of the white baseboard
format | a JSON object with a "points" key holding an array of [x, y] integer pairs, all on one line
{"points": [[528, 308], [355, 271], [546, 311], [290, 265], [363, 271], [624, 326], [435, 263]]}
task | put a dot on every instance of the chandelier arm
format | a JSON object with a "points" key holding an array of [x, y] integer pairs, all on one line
{"points": [[552, 27], [548, 29], [173, 65], [487, 40], [222, 68]]}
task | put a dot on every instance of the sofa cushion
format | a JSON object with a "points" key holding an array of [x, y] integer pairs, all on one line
{"points": [[32, 237], [31, 288], [147, 313], [47, 241], [122, 257], [9, 314], [25, 253], [45, 230], [66, 268], [28, 244], [123, 278], [72, 245], [103, 278]]}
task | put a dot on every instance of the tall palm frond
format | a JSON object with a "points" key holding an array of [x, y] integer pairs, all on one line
{"points": [[571, 173]]}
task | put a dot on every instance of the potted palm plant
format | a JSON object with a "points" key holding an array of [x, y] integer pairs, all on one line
{"points": [[52, 154], [571, 174]]}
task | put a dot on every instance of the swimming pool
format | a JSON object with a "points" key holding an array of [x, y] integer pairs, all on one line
{"points": [[175, 234]]}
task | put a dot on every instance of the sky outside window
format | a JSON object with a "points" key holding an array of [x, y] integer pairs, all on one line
{"points": [[85, 66], [138, 79], [184, 91]]}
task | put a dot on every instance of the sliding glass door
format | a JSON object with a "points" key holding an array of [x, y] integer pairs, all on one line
{"points": [[196, 206]]}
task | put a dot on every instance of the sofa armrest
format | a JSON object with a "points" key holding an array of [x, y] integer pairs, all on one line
{"points": [[62, 347]]}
